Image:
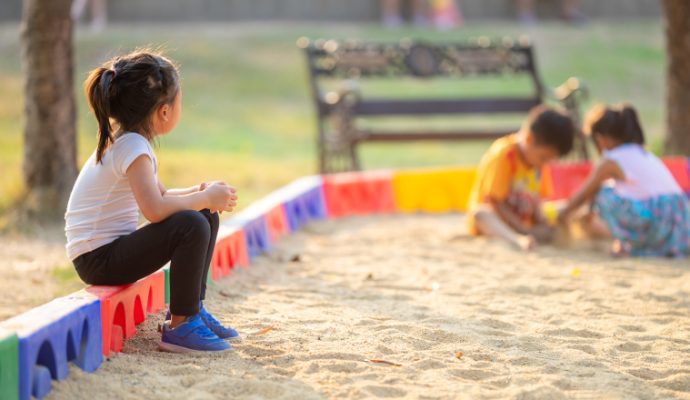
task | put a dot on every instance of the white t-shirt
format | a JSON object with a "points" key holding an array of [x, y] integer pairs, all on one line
{"points": [[102, 207], [645, 175]]}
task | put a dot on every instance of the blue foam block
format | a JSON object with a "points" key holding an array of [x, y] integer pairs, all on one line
{"points": [[306, 203], [256, 236], [51, 335]]}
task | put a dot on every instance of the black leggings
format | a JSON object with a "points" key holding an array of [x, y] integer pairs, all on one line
{"points": [[186, 239]]}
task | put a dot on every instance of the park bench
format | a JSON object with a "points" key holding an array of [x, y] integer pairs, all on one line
{"points": [[350, 63]]}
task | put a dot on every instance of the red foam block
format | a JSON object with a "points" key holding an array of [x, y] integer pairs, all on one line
{"points": [[680, 169], [566, 178], [124, 307], [358, 193], [230, 251], [277, 224]]}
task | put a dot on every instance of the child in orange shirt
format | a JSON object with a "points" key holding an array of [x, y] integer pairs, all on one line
{"points": [[505, 199]]}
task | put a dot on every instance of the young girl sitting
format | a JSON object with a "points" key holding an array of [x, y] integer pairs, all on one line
{"points": [[135, 98], [631, 191]]}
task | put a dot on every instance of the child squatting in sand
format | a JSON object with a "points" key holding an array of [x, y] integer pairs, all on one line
{"points": [[630, 195], [135, 98], [505, 198]]}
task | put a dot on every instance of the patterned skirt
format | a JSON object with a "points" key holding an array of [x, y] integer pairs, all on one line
{"points": [[659, 226]]}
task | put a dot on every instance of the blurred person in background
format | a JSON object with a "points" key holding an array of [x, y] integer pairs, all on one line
{"points": [[99, 13], [570, 11], [442, 14]]}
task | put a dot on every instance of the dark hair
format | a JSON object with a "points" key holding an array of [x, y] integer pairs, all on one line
{"points": [[551, 127], [618, 122], [126, 90]]}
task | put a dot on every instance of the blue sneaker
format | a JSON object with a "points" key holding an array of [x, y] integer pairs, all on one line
{"points": [[213, 324], [191, 336], [216, 327]]}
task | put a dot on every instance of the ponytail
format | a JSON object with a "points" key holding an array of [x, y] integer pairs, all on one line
{"points": [[126, 90], [619, 122], [631, 125], [97, 91]]}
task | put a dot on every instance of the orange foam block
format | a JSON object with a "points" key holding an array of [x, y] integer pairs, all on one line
{"points": [[433, 190], [358, 193], [124, 307], [230, 251]]}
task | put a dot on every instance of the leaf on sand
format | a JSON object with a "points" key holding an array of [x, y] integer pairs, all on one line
{"points": [[264, 331], [458, 354], [385, 362]]}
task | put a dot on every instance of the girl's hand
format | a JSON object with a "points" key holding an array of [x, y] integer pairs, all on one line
{"points": [[221, 197], [203, 186]]}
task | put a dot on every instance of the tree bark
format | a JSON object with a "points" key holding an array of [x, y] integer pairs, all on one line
{"points": [[50, 151], [677, 14]]}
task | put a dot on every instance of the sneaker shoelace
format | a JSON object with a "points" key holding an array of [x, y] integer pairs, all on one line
{"points": [[210, 319]]}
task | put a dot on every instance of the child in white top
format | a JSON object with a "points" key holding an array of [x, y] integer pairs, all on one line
{"points": [[631, 190], [135, 98]]}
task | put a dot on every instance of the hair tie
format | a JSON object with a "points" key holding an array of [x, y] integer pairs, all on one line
{"points": [[114, 73]]}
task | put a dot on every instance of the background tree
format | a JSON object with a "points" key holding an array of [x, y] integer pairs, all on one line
{"points": [[677, 76], [49, 164]]}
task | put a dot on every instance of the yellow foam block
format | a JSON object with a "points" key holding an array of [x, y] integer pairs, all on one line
{"points": [[433, 190]]}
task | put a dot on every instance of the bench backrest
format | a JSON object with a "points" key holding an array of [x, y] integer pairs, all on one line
{"points": [[331, 59]]}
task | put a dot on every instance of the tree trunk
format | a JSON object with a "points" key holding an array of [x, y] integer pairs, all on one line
{"points": [[50, 161], [678, 76]]}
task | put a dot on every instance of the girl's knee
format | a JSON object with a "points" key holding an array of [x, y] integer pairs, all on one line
{"points": [[193, 222], [212, 217]]}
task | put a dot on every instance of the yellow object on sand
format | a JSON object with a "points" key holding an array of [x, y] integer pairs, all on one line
{"points": [[575, 273]]}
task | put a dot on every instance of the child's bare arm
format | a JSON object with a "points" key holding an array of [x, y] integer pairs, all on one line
{"points": [[157, 207], [509, 217], [179, 192], [605, 170]]}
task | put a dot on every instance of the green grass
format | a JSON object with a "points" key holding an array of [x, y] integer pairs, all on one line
{"points": [[248, 118]]}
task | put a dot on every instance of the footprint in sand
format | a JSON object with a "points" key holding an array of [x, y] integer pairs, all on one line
{"points": [[385, 391], [473, 374], [581, 333], [677, 382], [429, 364], [633, 328], [584, 348], [631, 347]]}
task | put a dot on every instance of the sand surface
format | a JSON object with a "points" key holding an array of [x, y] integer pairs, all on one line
{"points": [[461, 317], [31, 270]]}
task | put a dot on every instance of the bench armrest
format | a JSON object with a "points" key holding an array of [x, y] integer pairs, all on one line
{"points": [[348, 91], [568, 90]]}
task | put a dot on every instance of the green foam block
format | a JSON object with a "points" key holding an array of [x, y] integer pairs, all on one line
{"points": [[9, 365], [166, 270]]}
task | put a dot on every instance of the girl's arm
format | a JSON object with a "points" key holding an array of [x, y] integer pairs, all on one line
{"points": [[605, 170], [157, 207], [180, 192]]}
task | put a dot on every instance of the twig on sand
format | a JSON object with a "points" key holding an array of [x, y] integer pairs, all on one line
{"points": [[264, 331], [385, 362]]}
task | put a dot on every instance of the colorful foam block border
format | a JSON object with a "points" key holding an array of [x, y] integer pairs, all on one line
{"points": [[36, 346], [66, 329]]}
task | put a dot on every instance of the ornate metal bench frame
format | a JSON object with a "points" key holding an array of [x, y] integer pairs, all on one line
{"points": [[351, 61]]}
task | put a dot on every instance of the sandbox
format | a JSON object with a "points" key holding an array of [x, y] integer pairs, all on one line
{"points": [[451, 317]]}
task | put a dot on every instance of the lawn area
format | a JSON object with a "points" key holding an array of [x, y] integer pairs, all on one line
{"points": [[247, 115]]}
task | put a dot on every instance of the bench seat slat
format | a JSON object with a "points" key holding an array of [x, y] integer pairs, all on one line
{"points": [[430, 107], [381, 136]]}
